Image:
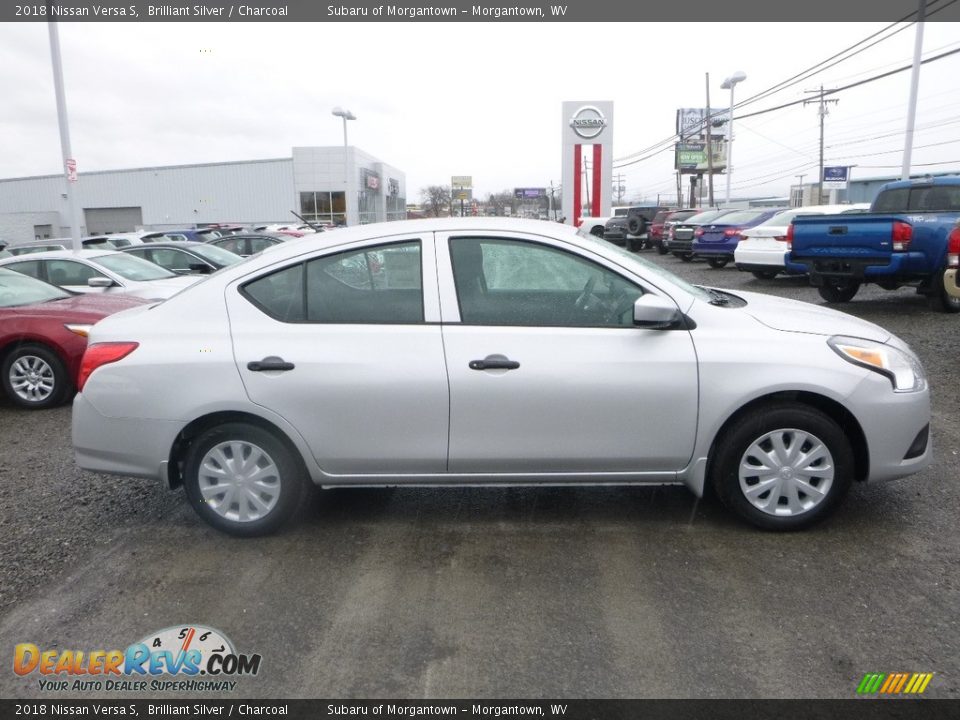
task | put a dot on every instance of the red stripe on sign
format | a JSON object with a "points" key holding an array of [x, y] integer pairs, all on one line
{"points": [[597, 188], [577, 183]]}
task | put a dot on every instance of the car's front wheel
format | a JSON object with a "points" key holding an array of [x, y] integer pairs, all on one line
{"points": [[783, 467], [35, 377], [242, 480]]}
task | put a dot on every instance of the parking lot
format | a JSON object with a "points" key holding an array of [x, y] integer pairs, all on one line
{"points": [[422, 593]]}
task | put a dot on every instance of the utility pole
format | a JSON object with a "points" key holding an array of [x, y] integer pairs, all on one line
{"points": [[823, 114], [709, 130], [620, 187], [800, 198], [914, 84], [69, 164]]}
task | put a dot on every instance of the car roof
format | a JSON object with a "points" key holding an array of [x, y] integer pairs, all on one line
{"points": [[65, 255], [172, 245]]}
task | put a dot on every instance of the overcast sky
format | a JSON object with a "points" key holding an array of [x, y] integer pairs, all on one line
{"points": [[480, 99]]}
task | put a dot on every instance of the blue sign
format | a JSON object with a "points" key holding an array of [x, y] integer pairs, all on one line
{"points": [[835, 174]]}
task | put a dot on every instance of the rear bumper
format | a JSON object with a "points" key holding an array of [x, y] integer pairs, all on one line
{"points": [[760, 258], [121, 446], [899, 265], [679, 245]]}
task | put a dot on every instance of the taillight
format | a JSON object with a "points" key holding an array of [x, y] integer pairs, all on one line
{"points": [[901, 235], [953, 248], [698, 232], [789, 237], [100, 354], [780, 238], [730, 232]]}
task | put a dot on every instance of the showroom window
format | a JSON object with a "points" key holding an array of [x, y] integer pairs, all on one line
{"points": [[323, 207], [375, 285], [515, 282]]}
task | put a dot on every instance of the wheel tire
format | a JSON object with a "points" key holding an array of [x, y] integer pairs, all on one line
{"points": [[35, 377], [636, 226], [765, 274], [598, 231], [661, 248], [717, 263], [686, 257], [839, 293], [284, 480], [750, 436], [942, 301]]}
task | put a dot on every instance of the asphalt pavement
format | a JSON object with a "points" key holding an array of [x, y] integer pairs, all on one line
{"points": [[565, 593]]}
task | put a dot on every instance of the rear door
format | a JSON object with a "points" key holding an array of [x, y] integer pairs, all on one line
{"points": [[347, 347]]}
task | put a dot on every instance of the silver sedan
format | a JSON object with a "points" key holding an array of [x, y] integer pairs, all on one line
{"points": [[492, 352]]}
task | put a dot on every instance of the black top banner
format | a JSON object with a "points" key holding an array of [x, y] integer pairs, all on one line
{"points": [[472, 11]]}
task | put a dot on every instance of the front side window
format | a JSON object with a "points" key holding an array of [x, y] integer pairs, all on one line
{"points": [[376, 285], [67, 272], [514, 282], [27, 267], [133, 268]]}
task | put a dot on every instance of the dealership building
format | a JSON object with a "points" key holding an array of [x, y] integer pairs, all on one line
{"points": [[323, 184]]}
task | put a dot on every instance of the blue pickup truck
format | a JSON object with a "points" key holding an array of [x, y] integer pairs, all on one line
{"points": [[901, 242]]}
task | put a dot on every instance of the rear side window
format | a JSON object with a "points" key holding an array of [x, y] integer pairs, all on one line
{"points": [[929, 198], [376, 285]]}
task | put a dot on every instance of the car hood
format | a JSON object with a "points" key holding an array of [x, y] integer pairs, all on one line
{"points": [[79, 308], [803, 317]]}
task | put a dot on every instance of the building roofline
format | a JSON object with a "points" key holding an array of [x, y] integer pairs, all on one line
{"points": [[153, 167]]}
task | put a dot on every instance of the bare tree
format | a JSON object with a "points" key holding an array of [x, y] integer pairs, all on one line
{"points": [[435, 200], [501, 201]]}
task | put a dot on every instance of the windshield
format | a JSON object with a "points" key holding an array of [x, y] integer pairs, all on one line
{"points": [[217, 255], [17, 289], [133, 268], [648, 268]]}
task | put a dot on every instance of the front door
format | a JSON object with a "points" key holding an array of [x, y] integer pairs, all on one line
{"points": [[548, 374]]}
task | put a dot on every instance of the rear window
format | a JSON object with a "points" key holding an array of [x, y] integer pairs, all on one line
{"points": [[705, 217], [742, 218], [924, 198]]}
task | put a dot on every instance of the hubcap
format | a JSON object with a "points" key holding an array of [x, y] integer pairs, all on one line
{"points": [[239, 481], [786, 472], [31, 378]]}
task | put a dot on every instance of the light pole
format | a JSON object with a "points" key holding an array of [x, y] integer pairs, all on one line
{"points": [[345, 115], [731, 82]]}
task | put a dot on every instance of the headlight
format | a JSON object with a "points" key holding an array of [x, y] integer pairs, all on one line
{"points": [[903, 370]]}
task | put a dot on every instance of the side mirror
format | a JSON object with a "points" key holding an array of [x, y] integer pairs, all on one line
{"points": [[200, 268], [655, 313], [100, 282]]}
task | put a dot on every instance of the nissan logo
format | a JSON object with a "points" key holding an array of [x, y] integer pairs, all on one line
{"points": [[588, 122]]}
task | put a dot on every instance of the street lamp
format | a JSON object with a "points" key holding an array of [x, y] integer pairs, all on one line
{"points": [[730, 82], [345, 115]]}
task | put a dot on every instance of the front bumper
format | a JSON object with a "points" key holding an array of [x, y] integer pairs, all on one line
{"points": [[950, 283]]}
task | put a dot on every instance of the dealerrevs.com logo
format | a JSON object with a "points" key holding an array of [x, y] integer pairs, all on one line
{"points": [[179, 658]]}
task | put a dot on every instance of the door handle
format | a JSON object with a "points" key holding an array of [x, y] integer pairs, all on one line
{"points": [[494, 362], [270, 363]]}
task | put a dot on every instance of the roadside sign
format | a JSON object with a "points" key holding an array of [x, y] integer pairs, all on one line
{"points": [[835, 178], [71, 170], [461, 181], [529, 193]]}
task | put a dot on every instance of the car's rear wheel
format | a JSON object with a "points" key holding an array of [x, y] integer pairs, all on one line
{"points": [[783, 467], [765, 274], [686, 257], [35, 377], [661, 248], [242, 480], [840, 291], [717, 263]]}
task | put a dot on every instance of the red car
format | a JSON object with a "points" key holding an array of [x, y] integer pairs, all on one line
{"points": [[43, 333]]}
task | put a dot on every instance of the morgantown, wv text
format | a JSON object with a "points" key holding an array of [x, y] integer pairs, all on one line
{"points": [[401, 11]]}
